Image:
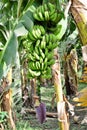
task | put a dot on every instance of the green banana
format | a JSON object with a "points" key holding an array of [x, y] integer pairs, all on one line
{"points": [[46, 14], [52, 29], [49, 12], [36, 55], [54, 38], [51, 62], [34, 34], [38, 65], [40, 13], [31, 57], [42, 66], [37, 43], [32, 65], [49, 71], [51, 7], [34, 73], [53, 17], [31, 49], [28, 45], [45, 60], [50, 55], [55, 45], [46, 51], [45, 63], [41, 53], [37, 50], [45, 7], [41, 59], [30, 76], [43, 44], [58, 29], [47, 38], [36, 16], [42, 29], [50, 46], [31, 37], [60, 15], [46, 74], [51, 37], [37, 31]]}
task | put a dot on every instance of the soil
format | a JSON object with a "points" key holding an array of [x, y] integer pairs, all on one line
{"points": [[77, 122]]}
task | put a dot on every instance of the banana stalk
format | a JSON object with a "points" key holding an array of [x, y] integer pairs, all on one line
{"points": [[33, 91], [62, 116]]}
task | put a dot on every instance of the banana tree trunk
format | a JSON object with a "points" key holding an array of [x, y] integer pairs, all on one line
{"points": [[70, 72], [79, 12], [84, 75], [62, 115], [6, 104]]}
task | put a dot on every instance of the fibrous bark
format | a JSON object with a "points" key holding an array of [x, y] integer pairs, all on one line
{"points": [[79, 12], [6, 104], [61, 109], [70, 73]]}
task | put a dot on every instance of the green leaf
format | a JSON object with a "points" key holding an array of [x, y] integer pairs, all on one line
{"points": [[63, 25], [20, 30], [3, 115], [27, 20], [8, 55], [3, 69], [2, 38], [28, 4], [3, 33], [19, 7]]}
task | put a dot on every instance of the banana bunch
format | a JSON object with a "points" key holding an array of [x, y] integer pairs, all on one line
{"points": [[40, 54], [42, 42], [36, 33], [40, 62], [50, 41], [47, 12]]}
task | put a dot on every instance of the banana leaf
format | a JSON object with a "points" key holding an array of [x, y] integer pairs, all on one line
{"points": [[81, 98], [8, 55], [79, 12]]}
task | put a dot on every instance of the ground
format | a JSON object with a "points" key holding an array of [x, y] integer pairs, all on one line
{"points": [[29, 121]]}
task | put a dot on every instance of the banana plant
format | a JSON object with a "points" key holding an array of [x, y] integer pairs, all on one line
{"points": [[12, 26], [23, 23], [80, 17], [40, 44], [12, 22]]}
